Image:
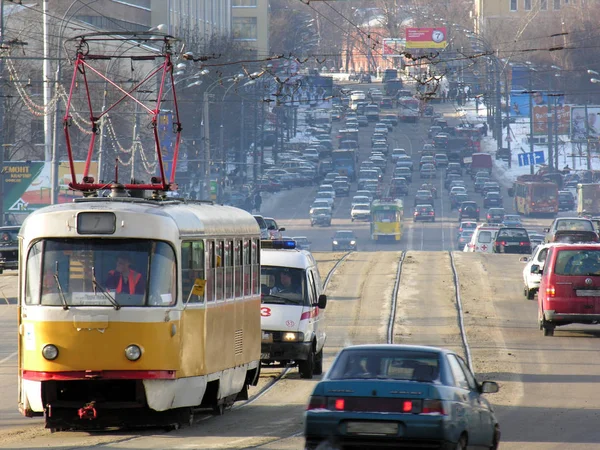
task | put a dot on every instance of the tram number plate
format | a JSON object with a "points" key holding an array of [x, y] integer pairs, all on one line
{"points": [[265, 356]]}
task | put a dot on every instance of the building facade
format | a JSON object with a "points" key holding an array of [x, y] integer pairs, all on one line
{"points": [[250, 25], [489, 14], [199, 18], [130, 15]]}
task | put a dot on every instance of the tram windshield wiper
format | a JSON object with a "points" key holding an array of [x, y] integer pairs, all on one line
{"points": [[104, 292], [60, 290]]}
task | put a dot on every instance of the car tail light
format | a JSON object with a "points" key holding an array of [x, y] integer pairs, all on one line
{"points": [[317, 402], [550, 291], [339, 404], [523, 243], [502, 243], [489, 216], [431, 213], [416, 213], [433, 407], [477, 209], [407, 406]]}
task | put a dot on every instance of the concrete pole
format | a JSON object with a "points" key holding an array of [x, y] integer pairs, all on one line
{"points": [[206, 147], [46, 70]]}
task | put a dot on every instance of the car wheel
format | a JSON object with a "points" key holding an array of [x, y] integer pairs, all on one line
{"points": [[307, 367], [530, 294], [547, 328], [462, 443], [496, 439], [318, 370]]}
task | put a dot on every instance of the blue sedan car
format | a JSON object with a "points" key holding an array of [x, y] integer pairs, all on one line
{"points": [[512, 220], [401, 396]]}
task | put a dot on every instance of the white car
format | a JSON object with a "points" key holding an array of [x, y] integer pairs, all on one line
{"points": [[360, 199], [320, 203], [327, 188], [361, 211], [532, 280], [325, 196]]}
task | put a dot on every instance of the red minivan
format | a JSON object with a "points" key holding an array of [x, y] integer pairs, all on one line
{"points": [[570, 286]]}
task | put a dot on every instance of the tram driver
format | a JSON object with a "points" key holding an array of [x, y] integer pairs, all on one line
{"points": [[123, 279]]}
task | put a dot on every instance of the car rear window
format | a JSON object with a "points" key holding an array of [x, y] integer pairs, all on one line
{"points": [[577, 262], [393, 364], [575, 225], [514, 233]]}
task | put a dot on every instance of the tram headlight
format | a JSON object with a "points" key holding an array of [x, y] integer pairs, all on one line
{"points": [[293, 337], [133, 352], [50, 352]]}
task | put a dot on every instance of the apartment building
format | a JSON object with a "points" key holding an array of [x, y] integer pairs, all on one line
{"points": [[199, 18], [130, 15], [490, 14], [250, 24]]}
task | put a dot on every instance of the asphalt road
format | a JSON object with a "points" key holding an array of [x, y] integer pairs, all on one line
{"points": [[548, 398]]}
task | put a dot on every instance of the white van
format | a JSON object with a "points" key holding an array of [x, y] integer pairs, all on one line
{"points": [[291, 308], [482, 240]]}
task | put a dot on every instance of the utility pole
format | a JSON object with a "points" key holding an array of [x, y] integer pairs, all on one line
{"points": [[2, 128], [531, 144], [47, 87], [206, 142], [550, 149], [587, 139]]}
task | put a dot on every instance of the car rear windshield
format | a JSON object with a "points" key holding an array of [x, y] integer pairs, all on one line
{"points": [[367, 363], [577, 262], [575, 225], [512, 233]]}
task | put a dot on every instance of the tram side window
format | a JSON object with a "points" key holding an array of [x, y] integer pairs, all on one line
{"points": [[255, 266], [229, 269], [239, 268], [210, 271], [247, 268], [220, 271], [162, 291], [192, 268], [34, 280]]}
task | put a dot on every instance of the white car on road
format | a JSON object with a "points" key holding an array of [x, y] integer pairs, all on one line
{"points": [[361, 211], [530, 279]]}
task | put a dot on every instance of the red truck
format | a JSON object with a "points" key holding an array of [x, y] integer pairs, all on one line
{"points": [[481, 162]]}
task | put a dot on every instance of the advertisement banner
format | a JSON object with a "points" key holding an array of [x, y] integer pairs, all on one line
{"points": [[27, 185], [393, 48], [561, 115], [426, 37], [579, 131], [313, 90], [519, 76], [519, 102]]}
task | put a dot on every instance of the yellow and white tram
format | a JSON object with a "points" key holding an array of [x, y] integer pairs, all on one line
{"points": [[180, 329]]}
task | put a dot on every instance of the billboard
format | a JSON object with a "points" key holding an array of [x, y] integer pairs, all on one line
{"points": [[27, 185], [393, 47], [519, 76], [313, 90], [561, 114], [519, 102], [426, 37], [579, 130]]}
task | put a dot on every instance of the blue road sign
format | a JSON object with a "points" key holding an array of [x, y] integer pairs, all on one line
{"points": [[527, 159]]}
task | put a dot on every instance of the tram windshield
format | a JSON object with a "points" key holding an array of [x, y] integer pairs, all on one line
{"points": [[100, 272], [283, 285]]}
